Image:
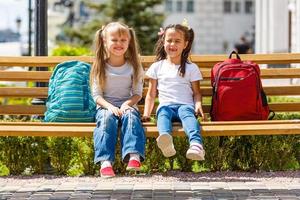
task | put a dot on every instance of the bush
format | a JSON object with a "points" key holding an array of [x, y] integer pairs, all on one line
{"points": [[74, 156], [67, 50]]}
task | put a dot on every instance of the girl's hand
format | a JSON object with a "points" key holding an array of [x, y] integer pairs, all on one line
{"points": [[199, 111], [115, 110], [146, 119], [125, 107]]}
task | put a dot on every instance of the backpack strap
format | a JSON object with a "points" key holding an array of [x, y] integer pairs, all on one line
{"points": [[236, 54], [271, 115]]}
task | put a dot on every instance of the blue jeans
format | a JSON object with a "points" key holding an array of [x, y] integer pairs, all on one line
{"points": [[132, 135], [179, 113]]}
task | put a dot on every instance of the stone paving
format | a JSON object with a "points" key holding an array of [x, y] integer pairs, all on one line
{"points": [[159, 186]]}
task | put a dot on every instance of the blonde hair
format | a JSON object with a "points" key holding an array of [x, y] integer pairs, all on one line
{"points": [[101, 55]]}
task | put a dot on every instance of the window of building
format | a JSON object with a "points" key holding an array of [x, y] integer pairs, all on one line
{"points": [[83, 10], [190, 6], [237, 7], [227, 6], [179, 6], [169, 5], [249, 7]]}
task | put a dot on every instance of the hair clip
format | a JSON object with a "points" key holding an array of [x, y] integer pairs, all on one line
{"points": [[185, 23], [161, 31]]}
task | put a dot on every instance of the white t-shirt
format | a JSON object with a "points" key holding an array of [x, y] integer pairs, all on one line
{"points": [[172, 88], [119, 85]]}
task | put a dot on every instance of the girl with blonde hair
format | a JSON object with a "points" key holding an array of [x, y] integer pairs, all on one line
{"points": [[117, 84]]}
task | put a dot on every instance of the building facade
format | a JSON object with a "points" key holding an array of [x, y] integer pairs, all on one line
{"points": [[269, 25], [218, 24], [277, 26]]}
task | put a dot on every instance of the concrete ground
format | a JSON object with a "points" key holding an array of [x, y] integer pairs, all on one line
{"points": [[170, 185]]}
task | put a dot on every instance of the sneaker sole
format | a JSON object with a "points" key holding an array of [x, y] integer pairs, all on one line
{"points": [[136, 169], [104, 176], [165, 143], [195, 156]]}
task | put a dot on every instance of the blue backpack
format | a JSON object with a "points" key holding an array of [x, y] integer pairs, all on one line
{"points": [[69, 97]]}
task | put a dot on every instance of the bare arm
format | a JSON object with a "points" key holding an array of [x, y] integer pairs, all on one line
{"points": [[130, 102], [133, 100], [105, 104], [150, 99], [197, 98]]}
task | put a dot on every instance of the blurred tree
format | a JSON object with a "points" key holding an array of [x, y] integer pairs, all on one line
{"points": [[137, 14]]}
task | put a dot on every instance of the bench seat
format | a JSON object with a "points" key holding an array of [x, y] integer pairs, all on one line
{"points": [[231, 128]]}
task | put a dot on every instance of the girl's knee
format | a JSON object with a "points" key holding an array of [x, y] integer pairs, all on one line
{"points": [[132, 116], [103, 113], [164, 111], [186, 110], [132, 113], [105, 118]]}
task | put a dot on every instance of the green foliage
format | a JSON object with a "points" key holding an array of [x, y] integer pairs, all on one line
{"points": [[67, 50], [74, 156], [61, 152], [19, 153], [4, 171], [282, 99], [182, 145], [85, 155], [215, 153], [155, 161], [145, 22]]}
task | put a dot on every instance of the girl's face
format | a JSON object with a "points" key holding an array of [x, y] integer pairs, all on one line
{"points": [[116, 43], [174, 44]]}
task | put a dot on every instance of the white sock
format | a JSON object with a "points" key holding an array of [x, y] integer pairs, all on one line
{"points": [[134, 156], [105, 163]]}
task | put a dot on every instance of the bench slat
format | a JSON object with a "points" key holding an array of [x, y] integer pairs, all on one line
{"points": [[40, 109], [42, 92], [276, 107], [37, 61], [22, 109], [151, 131], [293, 121], [287, 90], [39, 92], [236, 130], [44, 76], [35, 76], [274, 58], [275, 73], [201, 60], [270, 73]]}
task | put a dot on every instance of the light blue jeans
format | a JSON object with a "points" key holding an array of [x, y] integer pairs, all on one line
{"points": [[179, 113], [132, 136]]}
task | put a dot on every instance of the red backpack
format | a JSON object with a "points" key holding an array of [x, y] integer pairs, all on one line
{"points": [[237, 91]]}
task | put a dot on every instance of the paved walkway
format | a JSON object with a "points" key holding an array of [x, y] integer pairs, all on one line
{"points": [[174, 185]]}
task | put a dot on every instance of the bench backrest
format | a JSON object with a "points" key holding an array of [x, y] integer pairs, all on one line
{"points": [[282, 75]]}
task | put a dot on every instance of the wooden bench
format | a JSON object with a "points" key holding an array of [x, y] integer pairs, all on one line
{"points": [[233, 128]]}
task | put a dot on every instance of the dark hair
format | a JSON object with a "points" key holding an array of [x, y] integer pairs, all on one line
{"points": [[188, 36]]}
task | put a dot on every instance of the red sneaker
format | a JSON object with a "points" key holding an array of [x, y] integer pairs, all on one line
{"points": [[133, 165], [107, 172]]}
